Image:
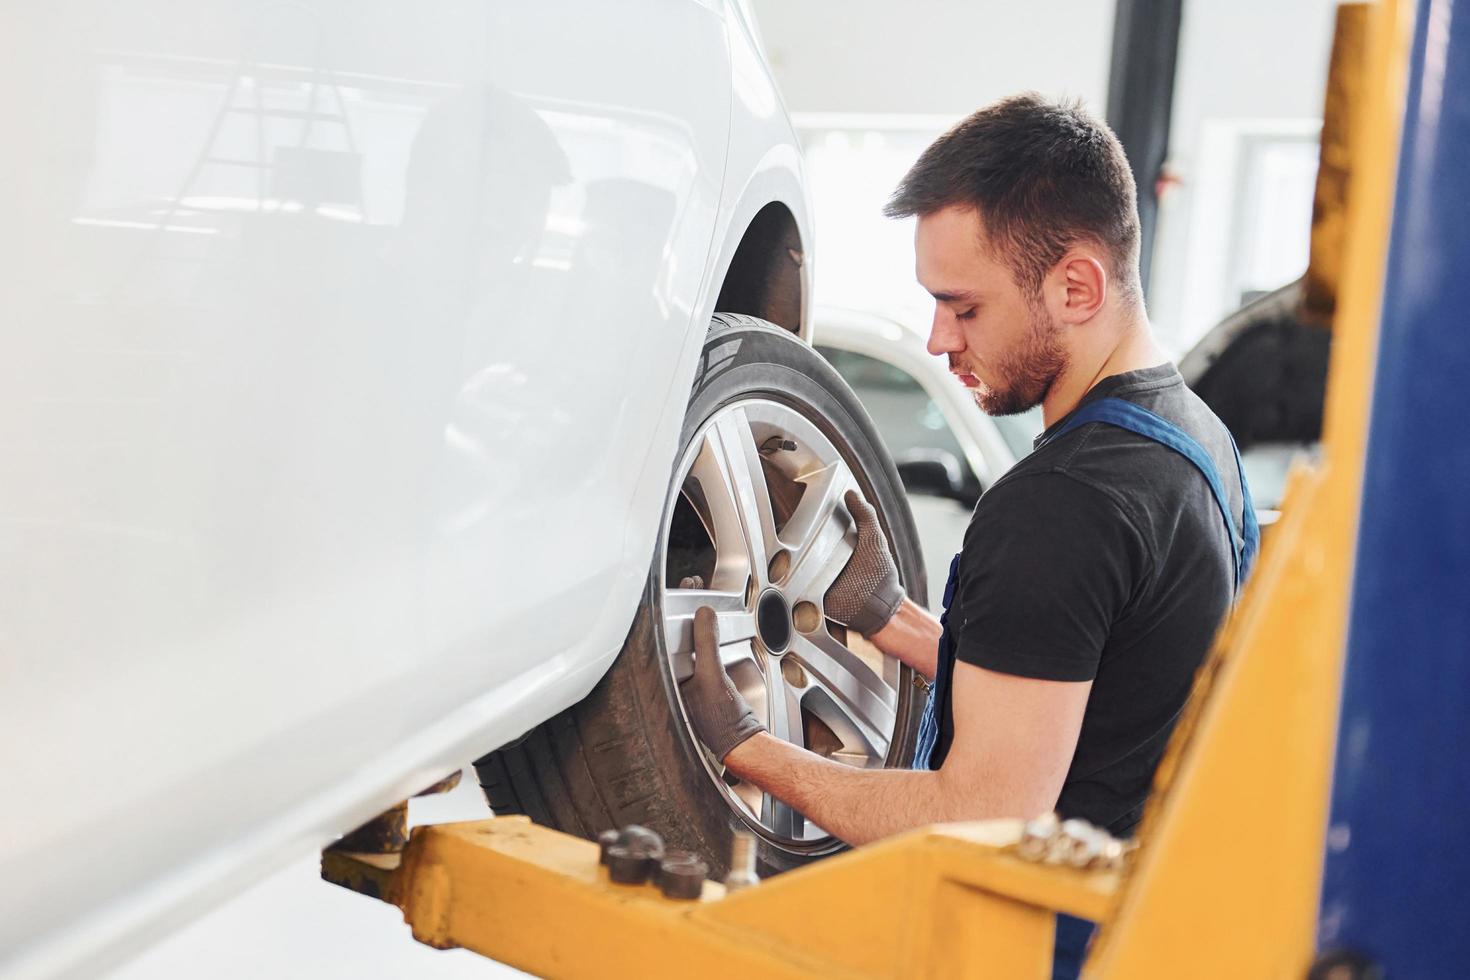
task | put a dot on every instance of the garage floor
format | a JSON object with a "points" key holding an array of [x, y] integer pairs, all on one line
{"points": [[294, 925]]}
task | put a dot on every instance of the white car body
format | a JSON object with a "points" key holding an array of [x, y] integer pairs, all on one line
{"points": [[345, 353], [989, 446]]}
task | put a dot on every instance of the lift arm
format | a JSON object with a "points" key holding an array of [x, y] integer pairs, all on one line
{"points": [[538, 900]]}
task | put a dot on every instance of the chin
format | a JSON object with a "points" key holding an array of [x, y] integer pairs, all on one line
{"points": [[993, 402]]}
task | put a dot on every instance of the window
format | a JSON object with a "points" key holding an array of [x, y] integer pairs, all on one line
{"points": [[853, 165], [911, 424]]}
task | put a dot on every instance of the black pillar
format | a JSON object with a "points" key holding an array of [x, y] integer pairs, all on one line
{"points": [[1141, 97]]}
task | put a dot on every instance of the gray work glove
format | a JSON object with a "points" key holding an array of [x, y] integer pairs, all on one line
{"points": [[868, 593], [721, 718]]}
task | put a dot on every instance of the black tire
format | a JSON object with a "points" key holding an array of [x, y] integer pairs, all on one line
{"points": [[622, 755]]}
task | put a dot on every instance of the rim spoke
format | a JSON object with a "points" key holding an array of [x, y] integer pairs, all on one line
{"points": [[824, 490], [732, 562], [861, 745], [825, 557], [737, 653], [817, 534], [736, 622], [731, 471], [750, 796], [781, 818], [783, 707], [863, 698]]}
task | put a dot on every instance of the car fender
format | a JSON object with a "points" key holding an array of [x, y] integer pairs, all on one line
{"points": [[763, 166]]}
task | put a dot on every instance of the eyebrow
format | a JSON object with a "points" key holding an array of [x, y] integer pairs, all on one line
{"points": [[963, 296]]}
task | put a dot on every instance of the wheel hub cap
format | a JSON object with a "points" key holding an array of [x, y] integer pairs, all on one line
{"points": [[773, 621]]}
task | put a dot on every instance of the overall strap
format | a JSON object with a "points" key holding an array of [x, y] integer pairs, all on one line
{"points": [[928, 739], [1137, 419]]}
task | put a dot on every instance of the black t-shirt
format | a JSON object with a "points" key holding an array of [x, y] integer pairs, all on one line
{"points": [[1102, 556]]}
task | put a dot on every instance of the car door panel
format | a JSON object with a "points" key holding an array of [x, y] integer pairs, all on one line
{"points": [[327, 333]]}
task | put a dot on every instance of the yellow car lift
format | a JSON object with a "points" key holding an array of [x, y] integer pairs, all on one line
{"points": [[1226, 878]]}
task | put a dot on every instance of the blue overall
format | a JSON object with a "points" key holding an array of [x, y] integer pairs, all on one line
{"points": [[1073, 934]]}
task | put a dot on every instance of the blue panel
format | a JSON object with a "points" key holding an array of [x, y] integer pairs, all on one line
{"points": [[1397, 883]]}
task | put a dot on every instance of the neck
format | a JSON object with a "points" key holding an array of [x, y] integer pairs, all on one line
{"points": [[1127, 349]]}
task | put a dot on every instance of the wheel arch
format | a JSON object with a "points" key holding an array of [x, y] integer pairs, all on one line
{"points": [[766, 276], [762, 264]]}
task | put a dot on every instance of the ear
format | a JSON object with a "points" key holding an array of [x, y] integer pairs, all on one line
{"points": [[1077, 287]]}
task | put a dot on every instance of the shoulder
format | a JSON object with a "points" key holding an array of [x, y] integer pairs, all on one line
{"points": [[1150, 479], [1044, 507], [1083, 472]]}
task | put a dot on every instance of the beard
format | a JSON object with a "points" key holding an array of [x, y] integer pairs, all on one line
{"points": [[1026, 373]]}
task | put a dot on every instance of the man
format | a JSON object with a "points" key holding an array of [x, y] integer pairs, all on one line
{"points": [[1092, 575]]}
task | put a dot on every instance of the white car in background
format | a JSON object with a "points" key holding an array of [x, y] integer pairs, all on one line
{"points": [[946, 449], [362, 411]]}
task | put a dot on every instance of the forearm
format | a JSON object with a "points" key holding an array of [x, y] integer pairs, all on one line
{"points": [[911, 636], [857, 805]]}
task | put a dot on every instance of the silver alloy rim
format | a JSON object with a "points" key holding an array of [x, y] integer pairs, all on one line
{"points": [[825, 691]]}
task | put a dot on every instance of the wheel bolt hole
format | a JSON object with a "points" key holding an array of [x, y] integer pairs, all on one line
{"points": [[807, 616], [792, 672], [780, 565]]}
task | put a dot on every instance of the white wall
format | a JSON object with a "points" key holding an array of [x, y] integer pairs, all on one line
{"points": [[1257, 58], [944, 57], [1249, 66], [872, 82]]}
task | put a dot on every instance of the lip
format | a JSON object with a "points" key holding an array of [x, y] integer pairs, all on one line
{"points": [[968, 380]]}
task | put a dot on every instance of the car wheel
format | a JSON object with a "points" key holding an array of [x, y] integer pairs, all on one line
{"points": [[771, 441]]}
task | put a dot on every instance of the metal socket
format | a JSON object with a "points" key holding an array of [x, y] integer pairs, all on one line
{"points": [[638, 834], [629, 864], [632, 855], [681, 875], [606, 839]]}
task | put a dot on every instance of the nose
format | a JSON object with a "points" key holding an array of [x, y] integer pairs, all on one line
{"points": [[945, 336]]}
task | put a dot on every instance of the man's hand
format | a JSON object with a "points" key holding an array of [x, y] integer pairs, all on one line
{"points": [[867, 593], [721, 718]]}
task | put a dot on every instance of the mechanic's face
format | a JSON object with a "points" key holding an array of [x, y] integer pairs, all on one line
{"points": [[1001, 343]]}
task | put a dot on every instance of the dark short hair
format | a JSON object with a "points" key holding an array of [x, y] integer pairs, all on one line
{"points": [[1043, 176]]}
